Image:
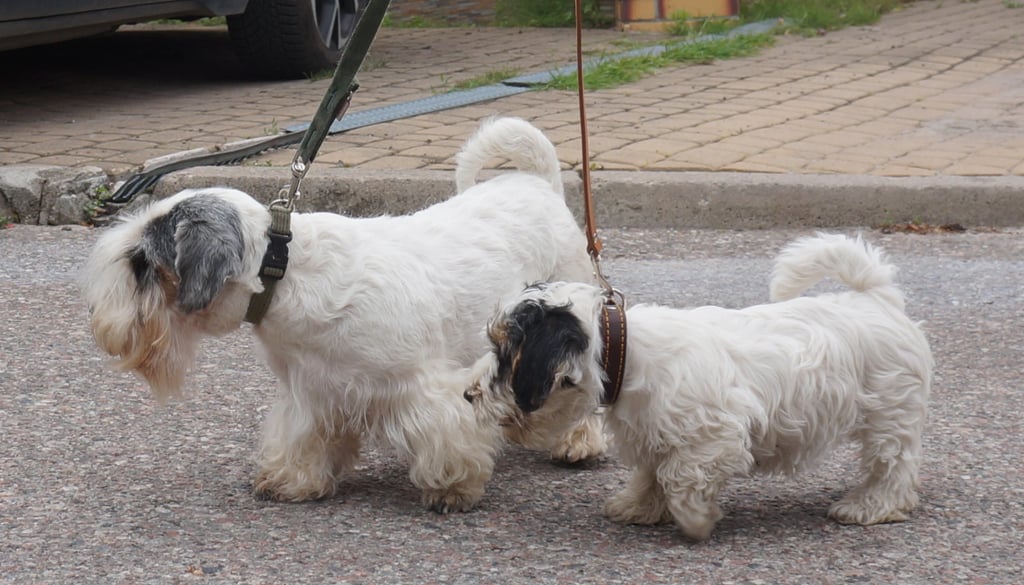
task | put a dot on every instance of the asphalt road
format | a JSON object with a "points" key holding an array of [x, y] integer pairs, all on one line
{"points": [[100, 485]]}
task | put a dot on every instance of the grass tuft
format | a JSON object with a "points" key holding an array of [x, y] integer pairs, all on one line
{"points": [[608, 73], [550, 13], [489, 78], [814, 16]]}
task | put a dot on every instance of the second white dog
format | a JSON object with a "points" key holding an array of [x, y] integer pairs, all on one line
{"points": [[371, 326], [713, 393]]}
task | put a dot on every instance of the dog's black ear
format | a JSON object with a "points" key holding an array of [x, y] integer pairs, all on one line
{"points": [[209, 248], [195, 247], [547, 338]]}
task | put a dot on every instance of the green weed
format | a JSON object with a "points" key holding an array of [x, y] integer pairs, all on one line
{"points": [[614, 72], [814, 16], [320, 75], [549, 13], [489, 78], [97, 202], [684, 25]]}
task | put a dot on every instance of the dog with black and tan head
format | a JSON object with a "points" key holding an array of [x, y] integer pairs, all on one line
{"points": [[713, 393]]}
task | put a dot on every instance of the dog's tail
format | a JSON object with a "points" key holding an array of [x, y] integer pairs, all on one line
{"points": [[853, 262], [514, 139]]}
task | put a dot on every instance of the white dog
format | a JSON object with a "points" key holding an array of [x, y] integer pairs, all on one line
{"points": [[713, 393], [372, 326]]}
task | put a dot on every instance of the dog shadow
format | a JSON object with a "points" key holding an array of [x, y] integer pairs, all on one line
{"points": [[792, 512]]}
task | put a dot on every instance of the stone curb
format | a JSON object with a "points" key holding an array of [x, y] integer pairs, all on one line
{"points": [[639, 199], [681, 200], [47, 194]]}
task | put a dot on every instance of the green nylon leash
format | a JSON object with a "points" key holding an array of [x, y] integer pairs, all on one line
{"points": [[332, 107]]}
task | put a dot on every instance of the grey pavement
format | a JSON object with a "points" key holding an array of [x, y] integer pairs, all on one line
{"points": [[99, 484], [917, 118]]}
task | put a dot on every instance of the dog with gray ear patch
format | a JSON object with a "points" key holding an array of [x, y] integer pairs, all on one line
{"points": [[714, 393], [370, 329]]}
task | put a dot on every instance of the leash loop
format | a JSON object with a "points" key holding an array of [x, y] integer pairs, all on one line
{"points": [[291, 194]]}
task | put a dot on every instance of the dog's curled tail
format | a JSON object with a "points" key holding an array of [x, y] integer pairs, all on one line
{"points": [[851, 261], [513, 139]]}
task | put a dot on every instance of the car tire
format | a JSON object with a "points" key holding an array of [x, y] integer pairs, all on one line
{"points": [[288, 39]]}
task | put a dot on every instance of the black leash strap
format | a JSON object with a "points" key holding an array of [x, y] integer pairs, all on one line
{"points": [[332, 107], [339, 93]]}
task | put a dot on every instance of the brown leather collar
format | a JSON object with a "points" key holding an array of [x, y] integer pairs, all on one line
{"points": [[613, 353]]}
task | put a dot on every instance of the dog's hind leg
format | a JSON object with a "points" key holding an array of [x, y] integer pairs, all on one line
{"points": [[585, 441], [890, 438], [642, 501]]}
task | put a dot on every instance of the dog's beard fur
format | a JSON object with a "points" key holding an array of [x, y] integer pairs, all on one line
{"points": [[153, 295], [713, 393], [369, 328]]}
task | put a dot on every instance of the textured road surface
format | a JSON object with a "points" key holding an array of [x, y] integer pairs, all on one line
{"points": [[100, 485]]}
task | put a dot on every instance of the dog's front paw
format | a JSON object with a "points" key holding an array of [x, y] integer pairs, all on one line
{"points": [[627, 508], [851, 511], [272, 486], [451, 500], [586, 441]]}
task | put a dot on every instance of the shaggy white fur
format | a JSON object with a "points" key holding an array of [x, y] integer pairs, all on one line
{"points": [[713, 393], [372, 325]]}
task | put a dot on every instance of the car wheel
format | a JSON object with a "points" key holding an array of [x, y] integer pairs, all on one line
{"points": [[292, 38]]}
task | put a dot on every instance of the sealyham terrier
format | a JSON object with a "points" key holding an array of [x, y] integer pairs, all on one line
{"points": [[371, 328], [712, 393]]}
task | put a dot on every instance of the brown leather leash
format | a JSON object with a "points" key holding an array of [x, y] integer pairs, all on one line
{"points": [[613, 311]]}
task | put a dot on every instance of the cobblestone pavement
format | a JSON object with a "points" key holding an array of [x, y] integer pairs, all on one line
{"points": [[935, 89]]}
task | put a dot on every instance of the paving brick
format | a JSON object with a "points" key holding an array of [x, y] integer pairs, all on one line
{"points": [[896, 170], [8, 157], [711, 156], [919, 113], [661, 146], [757, 142], [1012, 152], [46, 147], [839, 138], [745, 166], [355, 156], [810, 150], [631, 158], [841, 165], [778, 158], [967, 169], [394, 162]]}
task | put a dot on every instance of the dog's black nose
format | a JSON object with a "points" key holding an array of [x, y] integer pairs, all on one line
{"points": [[468, 396]]}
